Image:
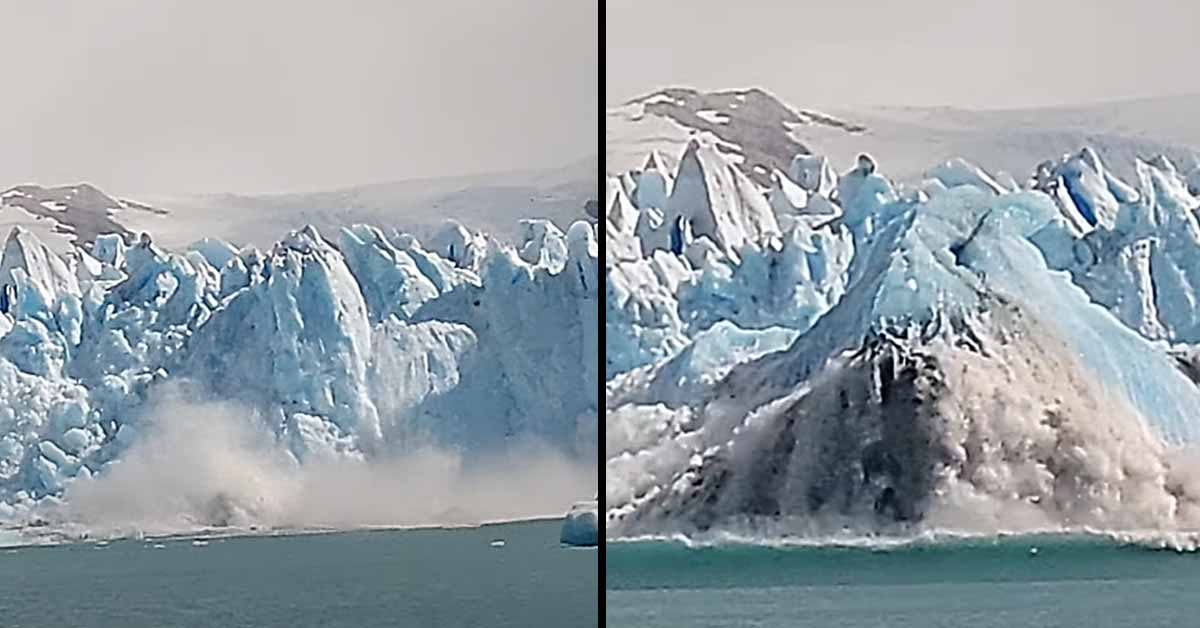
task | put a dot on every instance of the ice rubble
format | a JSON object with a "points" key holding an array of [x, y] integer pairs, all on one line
{"points": [[1042, 398], [361, 345]]}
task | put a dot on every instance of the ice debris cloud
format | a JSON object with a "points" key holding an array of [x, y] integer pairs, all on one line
{"points": [[204, 464], [969, 352], [360, 345]]}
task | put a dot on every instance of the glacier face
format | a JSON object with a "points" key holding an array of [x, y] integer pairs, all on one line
{"points": [[967, 352], [362, 346]]}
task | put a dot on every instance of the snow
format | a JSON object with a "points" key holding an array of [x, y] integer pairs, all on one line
{"points": [[12, 217], [657, 98], [630, 138], [713, 116]]}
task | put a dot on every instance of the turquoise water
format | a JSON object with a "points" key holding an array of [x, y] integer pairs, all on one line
{"points": [[978, 584], [419, 578]]}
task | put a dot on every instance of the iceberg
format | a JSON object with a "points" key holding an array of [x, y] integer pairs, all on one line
{"points": [[580, 528]]}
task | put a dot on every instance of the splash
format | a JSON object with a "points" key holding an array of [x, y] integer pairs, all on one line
{"points": [[986, 426]]}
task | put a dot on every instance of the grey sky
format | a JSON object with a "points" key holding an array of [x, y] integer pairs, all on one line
{"points": [[279, 95], [969, 53]]}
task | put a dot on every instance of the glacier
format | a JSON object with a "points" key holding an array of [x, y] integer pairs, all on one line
{"points": [[969, 353], [363, 346]]}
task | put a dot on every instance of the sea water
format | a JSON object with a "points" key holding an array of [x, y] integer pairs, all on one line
{"points": [[419, 578], [1031, 581]]}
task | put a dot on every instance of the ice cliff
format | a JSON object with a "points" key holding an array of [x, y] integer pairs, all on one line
{"points": [[966, 353], [359, 344]]}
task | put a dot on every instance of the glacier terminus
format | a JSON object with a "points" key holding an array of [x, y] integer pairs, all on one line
{"points": [[797, 350]]}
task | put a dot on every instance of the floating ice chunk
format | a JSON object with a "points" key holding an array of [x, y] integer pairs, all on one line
{"points": [[581, 527]]}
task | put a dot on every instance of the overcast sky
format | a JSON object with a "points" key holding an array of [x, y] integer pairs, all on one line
{"points": [[969, 53], [275, 95]]}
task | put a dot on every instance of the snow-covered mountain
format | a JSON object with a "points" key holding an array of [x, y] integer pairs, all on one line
{"points": [[66, 215], [750, 126], [760, 132], [495, 203], [913, 139], [828, 355]]}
